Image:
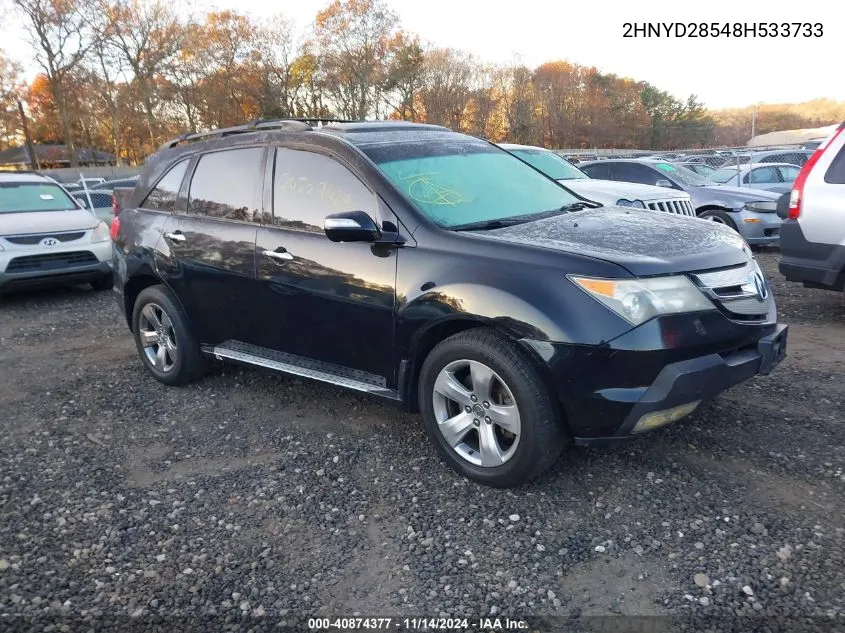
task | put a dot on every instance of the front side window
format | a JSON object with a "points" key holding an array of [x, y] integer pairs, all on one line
{"points": [[226, 185], [308, 186], [26, 197], [723, 175], [460, 182], [788, 172], [762, 175], [164, 194], [549, 163]]}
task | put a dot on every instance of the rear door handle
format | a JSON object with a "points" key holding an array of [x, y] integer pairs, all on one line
{"points": [[175, 236], [279, 253]]}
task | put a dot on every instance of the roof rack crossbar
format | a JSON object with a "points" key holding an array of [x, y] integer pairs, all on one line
{"points": [[306, 123]]}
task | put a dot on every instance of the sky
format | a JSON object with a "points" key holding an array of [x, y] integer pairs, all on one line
{"points": [[724, 72]]}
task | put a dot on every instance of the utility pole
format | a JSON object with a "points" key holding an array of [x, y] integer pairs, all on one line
{"points": [[33, 160]]}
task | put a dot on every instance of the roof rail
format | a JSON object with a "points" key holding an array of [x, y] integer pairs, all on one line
{"points": [[301, 124]]}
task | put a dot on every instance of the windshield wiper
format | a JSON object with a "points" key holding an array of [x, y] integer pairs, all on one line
{"points": [[484, 225], [578, 206]]}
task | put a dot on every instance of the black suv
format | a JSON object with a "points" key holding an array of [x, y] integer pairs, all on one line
{"points": [[438, 271]]}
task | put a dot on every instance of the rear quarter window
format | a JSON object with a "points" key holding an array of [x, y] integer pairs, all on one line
{"points": [[835, 174], [163, 195]]}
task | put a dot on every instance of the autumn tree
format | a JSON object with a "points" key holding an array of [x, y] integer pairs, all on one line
{"points": [[449, 79], [10, 87], [352, 39], [61, 34], [146, 35], [405, 76]]}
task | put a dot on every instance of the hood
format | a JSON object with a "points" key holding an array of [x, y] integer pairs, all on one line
{"points": [[617, 190], [746, 194], [46, 221], [644, 242]]}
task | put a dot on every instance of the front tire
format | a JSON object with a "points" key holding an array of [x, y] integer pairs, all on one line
{"points": [[488, 410], [163, 337], [720, 217]]}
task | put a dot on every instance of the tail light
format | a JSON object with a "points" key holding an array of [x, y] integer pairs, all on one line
{"points": [[114, 229], [115, 208], [797, 194]]}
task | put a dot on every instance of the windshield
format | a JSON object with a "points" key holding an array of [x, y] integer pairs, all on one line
{"points": [[457, 183], [723, 175], [549, 163], [686, 176], [22, 197]]}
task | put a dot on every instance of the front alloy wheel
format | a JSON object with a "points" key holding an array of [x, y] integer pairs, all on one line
{"points": [[488, 409], [476, 413]]}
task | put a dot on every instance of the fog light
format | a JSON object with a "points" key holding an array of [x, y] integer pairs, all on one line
{"points": [[657, 419]]}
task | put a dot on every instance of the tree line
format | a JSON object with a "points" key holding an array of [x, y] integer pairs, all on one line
{"points": [[125, 75]]}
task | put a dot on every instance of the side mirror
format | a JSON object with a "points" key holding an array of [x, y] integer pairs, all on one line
{"points": [[664, 183], [351, 226], [82, 202]]}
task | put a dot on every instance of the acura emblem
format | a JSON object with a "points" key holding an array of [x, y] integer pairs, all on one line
{"points": [[759, 285], [48, 241]]}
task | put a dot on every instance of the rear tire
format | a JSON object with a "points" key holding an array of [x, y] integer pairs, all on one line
{"points": [[106, 282], [720, 217], [163, 337], [488, 410]]}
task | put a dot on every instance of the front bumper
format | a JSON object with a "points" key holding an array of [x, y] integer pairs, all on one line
{"points": [[605, 391], [57, 271], [757, 228]]}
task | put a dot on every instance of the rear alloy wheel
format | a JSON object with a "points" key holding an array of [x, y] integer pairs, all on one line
{"points": [[487, 409], [719, 217], [163, 338]]}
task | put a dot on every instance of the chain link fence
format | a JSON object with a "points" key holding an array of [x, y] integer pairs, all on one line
{"points": [[772, 168]]}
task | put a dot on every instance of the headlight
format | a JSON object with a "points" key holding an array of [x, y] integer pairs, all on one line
{"points": [[763, 206], [638, 300], [100, 233], [638, 204]]}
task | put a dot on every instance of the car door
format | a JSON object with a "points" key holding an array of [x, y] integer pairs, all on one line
{"points": [[211, 263], [322, 300]]}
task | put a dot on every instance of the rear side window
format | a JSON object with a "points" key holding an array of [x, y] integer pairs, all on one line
{"points": [[164, 194], [762, 175], [836, 172], [308, 186], [227, 185], [634, 172], [599, 171]]}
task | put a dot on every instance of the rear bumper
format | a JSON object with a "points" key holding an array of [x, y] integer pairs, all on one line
{"points": [[813, 264]]}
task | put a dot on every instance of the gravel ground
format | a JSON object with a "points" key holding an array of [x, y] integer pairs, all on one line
{"points": [[251, 497]]}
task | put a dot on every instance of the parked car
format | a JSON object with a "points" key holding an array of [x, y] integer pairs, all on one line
{"points": [[702, 169], [813, 235], [791, 156], [437, 271], [46, 237], [100, 203], [603, 191], [749, 211], [90, 182], [777, 177], [131, 181]]}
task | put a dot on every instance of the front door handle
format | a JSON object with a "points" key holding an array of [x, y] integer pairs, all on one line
{"points": [[279, 253], [175, 236]]}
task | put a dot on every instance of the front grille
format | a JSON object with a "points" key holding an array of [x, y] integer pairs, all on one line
{"points": [[734, 291], [679, 207], [37, 237], [50, 261]]}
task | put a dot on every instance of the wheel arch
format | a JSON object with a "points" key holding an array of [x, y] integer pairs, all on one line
{"points": [[712, 207]]}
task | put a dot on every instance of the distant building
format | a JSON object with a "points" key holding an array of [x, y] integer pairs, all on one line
{"points": [[792, 137], [52, 156]]}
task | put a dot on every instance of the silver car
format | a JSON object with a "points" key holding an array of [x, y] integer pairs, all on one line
{"points": [[46, 237], [777, 177], [750, 212]]}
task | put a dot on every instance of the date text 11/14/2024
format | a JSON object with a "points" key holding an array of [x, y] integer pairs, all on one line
{"points": [[417, 624]]}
